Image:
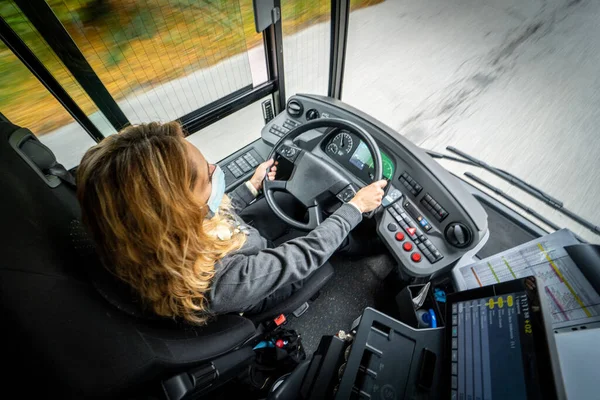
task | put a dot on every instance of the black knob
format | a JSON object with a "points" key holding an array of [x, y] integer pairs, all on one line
{"points": [[312, 114], [288, 151], [458, 235], [295, 108]]}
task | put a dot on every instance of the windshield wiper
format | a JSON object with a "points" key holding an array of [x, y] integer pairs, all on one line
{"points": [[435, 154], [521, 184], [507, 176], [516, 202]]}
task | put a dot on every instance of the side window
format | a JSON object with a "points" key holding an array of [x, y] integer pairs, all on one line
{"points": [[153, 60], [231, 133], [161, 60], [306, 41], [24, 101], [17, 79]]}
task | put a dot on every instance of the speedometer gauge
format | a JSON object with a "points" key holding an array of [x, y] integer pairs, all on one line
{"points": [[388, 168], [344, 143]]}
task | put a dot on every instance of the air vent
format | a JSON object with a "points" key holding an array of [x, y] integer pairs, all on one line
{"points": [[458, 235], [295, 108]]}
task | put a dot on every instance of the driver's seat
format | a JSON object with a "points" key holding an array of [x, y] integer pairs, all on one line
{"points": [[68, 334]]}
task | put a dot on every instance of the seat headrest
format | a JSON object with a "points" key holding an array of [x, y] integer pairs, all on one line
{"points": [[38, 156], [38, 152]]}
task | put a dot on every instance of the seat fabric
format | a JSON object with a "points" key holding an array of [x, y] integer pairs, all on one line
{"points": [[59, 329]]}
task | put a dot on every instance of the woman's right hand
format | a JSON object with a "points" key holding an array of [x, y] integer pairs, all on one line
{"points": [[369, 198]]}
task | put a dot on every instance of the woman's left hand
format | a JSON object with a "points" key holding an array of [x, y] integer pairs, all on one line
{"points": [[261, 170]]}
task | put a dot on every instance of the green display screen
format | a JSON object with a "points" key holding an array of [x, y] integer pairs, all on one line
{"points": [[362, 157]]}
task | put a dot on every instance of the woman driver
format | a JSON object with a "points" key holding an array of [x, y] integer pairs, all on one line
{"points": [[157, 210]]}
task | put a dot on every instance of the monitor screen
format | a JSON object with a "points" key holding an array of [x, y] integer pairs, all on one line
{"points": [[498, 345], [362, 158], [491, 337]]}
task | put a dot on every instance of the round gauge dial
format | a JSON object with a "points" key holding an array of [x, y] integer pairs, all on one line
{"points": [[388, 169], [332, 148], [343, 142]]}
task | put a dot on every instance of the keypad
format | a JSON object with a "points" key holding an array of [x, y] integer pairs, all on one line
{"points": [[281, 131], [244, 164], [434, 207], [410, 184]]}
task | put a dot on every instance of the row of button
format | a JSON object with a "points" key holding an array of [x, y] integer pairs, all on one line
{"points": [[404, 221], [409, 183], [250, 159], [429, 250], [416, 214], [407, 246], [423, 243], [290, 124], [242, 165], [280, 131], [434, 208]]}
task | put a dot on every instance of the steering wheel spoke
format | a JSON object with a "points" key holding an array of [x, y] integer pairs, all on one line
{"points": [[289, 151], [347, 193], [275, 185], [315, 216]]}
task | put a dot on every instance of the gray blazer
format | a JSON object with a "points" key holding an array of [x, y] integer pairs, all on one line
{"points": [[245, 277]]}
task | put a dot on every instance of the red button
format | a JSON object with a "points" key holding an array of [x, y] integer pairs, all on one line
{"points": [[416, 257], [407, 246], [411, 231], [399, 236], [279, 320]]}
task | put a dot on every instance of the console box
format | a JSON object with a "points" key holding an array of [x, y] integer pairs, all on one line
{"points": [[406, 311], [390, 359]]}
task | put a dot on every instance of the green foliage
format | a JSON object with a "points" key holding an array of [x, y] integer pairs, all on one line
{"points": [[192, 33]]}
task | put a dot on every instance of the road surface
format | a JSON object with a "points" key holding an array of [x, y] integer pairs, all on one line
{"points": [[514, 82]]}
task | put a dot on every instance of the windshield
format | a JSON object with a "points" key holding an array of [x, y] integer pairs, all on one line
{"points": [[513, 83]]}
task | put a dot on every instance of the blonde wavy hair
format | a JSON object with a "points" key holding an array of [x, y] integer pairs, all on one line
{"points": [[136, 194]]}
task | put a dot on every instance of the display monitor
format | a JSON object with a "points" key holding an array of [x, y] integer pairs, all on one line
{"points": [[500, 344], [361, 159]]}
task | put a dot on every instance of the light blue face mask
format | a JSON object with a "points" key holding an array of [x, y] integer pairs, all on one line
{"points": [[217, 191]]}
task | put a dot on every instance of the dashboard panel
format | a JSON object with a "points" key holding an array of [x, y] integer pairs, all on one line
{"points": [[429, 220], [353, 154]]}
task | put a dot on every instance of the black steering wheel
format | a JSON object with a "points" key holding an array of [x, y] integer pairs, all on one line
{"points": [[314, 179]]}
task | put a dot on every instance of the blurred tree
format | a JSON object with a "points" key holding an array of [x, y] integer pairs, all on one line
{"points": [[134, 44]]}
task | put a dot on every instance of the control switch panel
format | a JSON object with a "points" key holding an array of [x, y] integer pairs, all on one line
{"points": [[245, 163]]}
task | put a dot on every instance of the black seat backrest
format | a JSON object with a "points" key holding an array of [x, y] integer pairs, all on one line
{"points": [[59, 326]]}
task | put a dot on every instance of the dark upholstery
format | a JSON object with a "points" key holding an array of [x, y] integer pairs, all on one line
{"points": [[311, 286], [60, 331], [69, 326], [112, 289]]}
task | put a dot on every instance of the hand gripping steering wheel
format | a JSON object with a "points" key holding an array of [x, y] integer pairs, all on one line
{"points": [[314, 179]]}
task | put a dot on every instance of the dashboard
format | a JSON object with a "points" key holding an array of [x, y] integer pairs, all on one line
{"points": [[354, 155], [428, 220]]}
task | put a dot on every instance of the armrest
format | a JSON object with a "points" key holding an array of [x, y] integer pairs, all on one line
{"points": [[208, 376]]}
